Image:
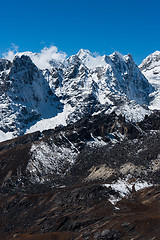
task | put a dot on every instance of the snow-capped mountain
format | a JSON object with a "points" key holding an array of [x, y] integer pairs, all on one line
{"points": [[100, 84], [68, 182], [34, 97], [25, 96], [150, 67]]}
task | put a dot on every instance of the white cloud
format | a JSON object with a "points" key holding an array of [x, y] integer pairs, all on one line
{"points": [[41, 60], [14, 47], [96, 54], [10, 54]]}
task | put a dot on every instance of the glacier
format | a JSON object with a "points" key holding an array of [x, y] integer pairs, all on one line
{"points": [[37, 95]]}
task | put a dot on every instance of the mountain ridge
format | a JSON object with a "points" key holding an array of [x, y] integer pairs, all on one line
{"points": [[104, 83], [150, 67], [95, 173]]}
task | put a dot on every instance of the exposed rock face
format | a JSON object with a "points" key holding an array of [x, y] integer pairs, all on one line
{"points": [[101, 83], [4, 65], [25, 97], [151, 62], [150, 67], [60, 155], [95, 178], [84, 179], [34, 99]]}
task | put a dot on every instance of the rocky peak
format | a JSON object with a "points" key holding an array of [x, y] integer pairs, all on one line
{"points": [[70, 177], [129, 59], [26, 97], [82, 54], [116, 56], [72, 60], [150, 67], [4, 64], [82, 84], [150, 61], [23, 63]]}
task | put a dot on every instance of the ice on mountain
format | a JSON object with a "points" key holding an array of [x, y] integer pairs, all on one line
{"points": [[47, 159], [124, 187], [69, 89], [150, 67]]}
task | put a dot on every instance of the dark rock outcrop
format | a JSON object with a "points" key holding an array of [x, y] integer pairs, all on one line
{"points": [[76, 202]]}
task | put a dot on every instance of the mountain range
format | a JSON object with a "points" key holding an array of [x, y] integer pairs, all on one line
{"points": [[79, 147], [37, 99]]}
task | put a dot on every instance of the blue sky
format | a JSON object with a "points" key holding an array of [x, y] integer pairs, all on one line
{"points": [[101, 26]]}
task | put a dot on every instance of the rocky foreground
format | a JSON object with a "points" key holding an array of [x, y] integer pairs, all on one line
{"points": [[95, 179], [80, 212]]}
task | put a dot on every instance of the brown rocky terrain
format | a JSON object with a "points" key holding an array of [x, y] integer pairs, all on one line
{"points": [[80, 212], [74, 199]]}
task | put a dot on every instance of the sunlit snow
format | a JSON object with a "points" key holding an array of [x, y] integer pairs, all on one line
{"points": [[125, 186]]}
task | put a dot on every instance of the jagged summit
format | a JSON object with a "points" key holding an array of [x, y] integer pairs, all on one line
{"points": [[82, 178], [150, 61], [116, 54], [150, 67], [46, 59], [83, 53], [25, 97], [98, 176], [59, 90], [27, 53]]}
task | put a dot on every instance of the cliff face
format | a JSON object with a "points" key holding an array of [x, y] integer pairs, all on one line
{"points": [[34, 99], [96, 178], [25, 97], [150, 67], [77, 151], [83, 171]]}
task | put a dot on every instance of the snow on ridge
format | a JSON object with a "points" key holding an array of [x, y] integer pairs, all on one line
{"points": [[51, 56], [92, 62], [83, 53], [151, 61], [150, 67], [94, 82], [42, 60], [46, 159], [6, 136], [51, 123], [115, 53], [124, 187]]}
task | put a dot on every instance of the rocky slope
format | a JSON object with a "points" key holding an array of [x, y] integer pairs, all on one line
{"points": [[81, 212], [56, 155], [37, 99], [96, 174], [95, 179]]}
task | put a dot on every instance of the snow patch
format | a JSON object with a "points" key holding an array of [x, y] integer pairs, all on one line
{"points": [[124, 187], [6, 136], [150, 67], [48, 159], [51, 123]]}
